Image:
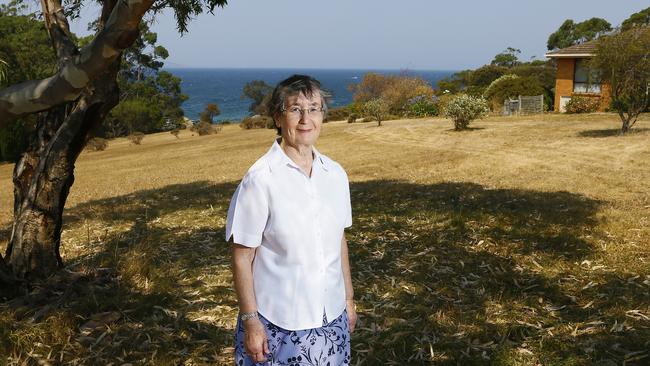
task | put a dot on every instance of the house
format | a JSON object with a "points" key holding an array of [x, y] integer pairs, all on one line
{"points": [[573, 77]]}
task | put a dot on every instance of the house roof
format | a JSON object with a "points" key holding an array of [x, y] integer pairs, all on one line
{"points": [[587, 49]]}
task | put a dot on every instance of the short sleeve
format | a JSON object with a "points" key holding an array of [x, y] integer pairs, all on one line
{"points": [[347, 202], [248, 212]]}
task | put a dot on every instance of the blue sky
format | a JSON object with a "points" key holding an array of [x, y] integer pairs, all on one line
{"points": [[377, 34]]}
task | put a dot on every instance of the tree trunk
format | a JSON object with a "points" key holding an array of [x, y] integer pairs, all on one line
{"points": [[45, 173], [626, 122]]}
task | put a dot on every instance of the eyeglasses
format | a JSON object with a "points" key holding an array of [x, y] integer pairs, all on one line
{"points": [[296, 113]]}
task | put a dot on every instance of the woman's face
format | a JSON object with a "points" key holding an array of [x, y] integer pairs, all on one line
{"points": [[301, 120]]}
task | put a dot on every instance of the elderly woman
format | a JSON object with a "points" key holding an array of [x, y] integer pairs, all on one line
{"points": [[289, 254]]}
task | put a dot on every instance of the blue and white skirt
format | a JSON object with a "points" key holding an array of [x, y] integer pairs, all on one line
{"points": [[328, 345]]}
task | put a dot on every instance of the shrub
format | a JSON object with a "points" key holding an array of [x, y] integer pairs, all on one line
{"points": [[578, 104], [352, 118], [205, 128], [422, 106], [337, 114], [97, 144], [462, 109], [257, 122], [136, 137]]}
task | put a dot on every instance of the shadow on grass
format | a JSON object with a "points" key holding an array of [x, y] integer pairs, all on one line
{"points": [[452, 273], [612, 132]]}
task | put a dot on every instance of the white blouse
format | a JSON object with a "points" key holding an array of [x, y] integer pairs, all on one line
{"points": [[296, 222]]}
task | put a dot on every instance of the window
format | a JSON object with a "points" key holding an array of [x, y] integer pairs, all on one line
{"points": [[585, 80]]}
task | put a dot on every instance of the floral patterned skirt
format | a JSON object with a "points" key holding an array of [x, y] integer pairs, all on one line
{"points": [[328, 345]]}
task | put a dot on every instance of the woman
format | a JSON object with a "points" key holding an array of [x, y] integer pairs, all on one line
{"points": [[290, 257]]}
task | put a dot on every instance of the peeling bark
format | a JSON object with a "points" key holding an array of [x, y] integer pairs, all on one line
{"points": [[45, 173]]}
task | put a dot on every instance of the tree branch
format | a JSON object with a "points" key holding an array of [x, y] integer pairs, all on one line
{"points": [[119, 32], [59, 30]]}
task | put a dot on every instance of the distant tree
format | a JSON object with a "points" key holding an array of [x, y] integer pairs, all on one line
{"points": [[485, 75], [623, 60], [571, 33], [394, 90], [377, 109], [641, 18], [211, 110], [257, 91], [507, 58], [371, 87]]}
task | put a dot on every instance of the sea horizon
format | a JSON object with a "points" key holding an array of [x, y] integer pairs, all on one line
{"points": [[223, 85]]}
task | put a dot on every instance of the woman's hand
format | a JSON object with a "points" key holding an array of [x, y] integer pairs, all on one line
{"points": [[352, 314], [256, 343]]}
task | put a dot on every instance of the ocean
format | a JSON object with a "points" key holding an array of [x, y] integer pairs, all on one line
{"points": [[224, 86]]}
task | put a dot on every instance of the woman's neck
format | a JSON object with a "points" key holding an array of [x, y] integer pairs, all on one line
{"points": [[302, 155]]}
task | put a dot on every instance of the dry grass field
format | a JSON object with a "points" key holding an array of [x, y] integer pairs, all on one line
{"points": [[523, 241]]}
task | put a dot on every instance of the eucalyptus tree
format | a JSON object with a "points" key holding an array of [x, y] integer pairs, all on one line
{"points": [[69, 104]]}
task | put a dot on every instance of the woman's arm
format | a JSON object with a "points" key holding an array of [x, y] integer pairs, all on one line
{"points": [[255, 343], [349, 290]]}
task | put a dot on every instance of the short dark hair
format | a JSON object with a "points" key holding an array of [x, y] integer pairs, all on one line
{"points": [[294, 85]]}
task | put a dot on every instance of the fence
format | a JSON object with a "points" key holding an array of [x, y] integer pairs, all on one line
{"points": [[524, 105]]}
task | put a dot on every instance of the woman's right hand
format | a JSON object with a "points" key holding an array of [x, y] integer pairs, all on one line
{"points": [[256, 343]]}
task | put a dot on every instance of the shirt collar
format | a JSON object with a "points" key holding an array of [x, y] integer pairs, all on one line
{"points": [[278, 157]]}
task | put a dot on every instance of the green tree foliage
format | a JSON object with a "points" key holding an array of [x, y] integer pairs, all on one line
{"points": [[26, 53], [571, 33], [259, 92], [512, 86], [463, 109], [507, 58], [14, 138], [542, 71], [134, 114], [623, 61], [641, 18], [211, 110], [140, 79], [25, 46]]}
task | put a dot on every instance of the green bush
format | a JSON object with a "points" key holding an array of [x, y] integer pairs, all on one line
{"points": [[511, 86], [97, 144], [578, 104], [257, 121], [463, 109], [422, 106], [136, 137]]}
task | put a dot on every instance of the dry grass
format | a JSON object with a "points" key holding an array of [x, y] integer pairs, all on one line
{"points": [[522, 241]]}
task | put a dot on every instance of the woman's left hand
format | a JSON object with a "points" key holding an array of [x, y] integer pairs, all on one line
{"points": [[352, 314]]}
